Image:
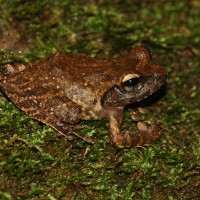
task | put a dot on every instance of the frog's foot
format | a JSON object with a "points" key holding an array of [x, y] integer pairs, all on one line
{"points": [[69, 132], [79, 135], [144, 136]]}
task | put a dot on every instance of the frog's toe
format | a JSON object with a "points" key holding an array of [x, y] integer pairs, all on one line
{"points": [[142, 137], [79, 135], [137, 139]]}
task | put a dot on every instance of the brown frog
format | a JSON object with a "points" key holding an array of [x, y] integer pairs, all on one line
{"points": [[63, 89]]}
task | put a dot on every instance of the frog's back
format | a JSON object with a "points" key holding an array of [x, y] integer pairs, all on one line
{"points": [[81, 64], [60, 64], [58, 71]]}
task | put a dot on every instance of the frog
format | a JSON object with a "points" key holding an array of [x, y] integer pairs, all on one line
{"points": [[63, 89]]}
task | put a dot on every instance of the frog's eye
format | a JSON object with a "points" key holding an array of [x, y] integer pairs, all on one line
{"points": [[129, 82]]}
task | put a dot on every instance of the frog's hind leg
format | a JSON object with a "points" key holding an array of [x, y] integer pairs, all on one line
{"points": [[65, 114], [14, 68], [67, 130], [64, 128]]}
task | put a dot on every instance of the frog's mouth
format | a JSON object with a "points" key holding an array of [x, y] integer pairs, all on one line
{"points": [[118, 96]]}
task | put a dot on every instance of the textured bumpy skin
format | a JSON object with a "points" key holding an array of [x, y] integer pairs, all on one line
{"points": [[63, 89]]}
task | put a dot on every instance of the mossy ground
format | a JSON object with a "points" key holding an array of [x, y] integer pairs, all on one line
{"points": [[38, 163]]}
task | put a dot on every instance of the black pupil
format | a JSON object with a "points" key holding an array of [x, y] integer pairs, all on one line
{"points": [[131, 82]]}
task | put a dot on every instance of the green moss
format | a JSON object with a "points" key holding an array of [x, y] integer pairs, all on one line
{"points": [[38, 163]]}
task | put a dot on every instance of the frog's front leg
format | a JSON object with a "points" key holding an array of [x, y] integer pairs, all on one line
{"points": [[128, 139]]}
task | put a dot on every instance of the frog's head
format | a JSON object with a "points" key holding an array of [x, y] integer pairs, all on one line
{"points": [[139, 78]]}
